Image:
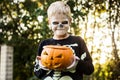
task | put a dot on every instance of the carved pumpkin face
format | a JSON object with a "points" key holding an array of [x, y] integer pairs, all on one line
{"points": [[56, 57]]}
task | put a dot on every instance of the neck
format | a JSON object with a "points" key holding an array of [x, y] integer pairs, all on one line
{"points": [[60, 37]]}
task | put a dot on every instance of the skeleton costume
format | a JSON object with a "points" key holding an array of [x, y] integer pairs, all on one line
{"points": [[83, 66]]}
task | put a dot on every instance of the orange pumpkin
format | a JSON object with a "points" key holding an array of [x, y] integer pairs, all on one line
{"points": [[56, 57]]}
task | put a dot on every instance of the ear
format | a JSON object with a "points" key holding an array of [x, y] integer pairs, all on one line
{"points": [[49, 25], [70, 20], [48, 21]]}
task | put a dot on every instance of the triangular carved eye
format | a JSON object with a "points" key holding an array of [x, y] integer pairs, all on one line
{"points": [[59, 56], [45, 53]]}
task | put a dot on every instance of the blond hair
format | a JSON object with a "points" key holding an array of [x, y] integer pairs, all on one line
{"points": [[59, 7]]}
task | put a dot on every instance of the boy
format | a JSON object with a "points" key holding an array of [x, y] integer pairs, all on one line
{"points": [[59, 16]]}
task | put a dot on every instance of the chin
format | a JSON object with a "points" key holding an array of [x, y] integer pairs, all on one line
{"points": [[61, 34]]}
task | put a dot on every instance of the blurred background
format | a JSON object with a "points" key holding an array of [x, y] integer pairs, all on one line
{"points": [[24, 23]]}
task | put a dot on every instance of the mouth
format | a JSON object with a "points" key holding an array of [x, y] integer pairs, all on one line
{"points": [[60, 29], [57, 66]]}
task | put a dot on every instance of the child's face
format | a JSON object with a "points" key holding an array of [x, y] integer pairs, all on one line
{"points": [[59, 24]]}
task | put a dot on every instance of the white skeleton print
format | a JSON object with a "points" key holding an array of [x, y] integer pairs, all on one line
{"points": [[70, 46], [57, 76], [61, 78]]}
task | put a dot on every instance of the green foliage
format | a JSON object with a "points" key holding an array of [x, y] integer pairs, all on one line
{"points": [[22, 29], [25, 39], [24, 55], [108, 71]]}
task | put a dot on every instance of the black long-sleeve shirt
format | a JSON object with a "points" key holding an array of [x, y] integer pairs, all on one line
{"points": [[78, 45]]}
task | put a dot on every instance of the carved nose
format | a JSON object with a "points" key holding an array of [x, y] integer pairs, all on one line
{"points": [[51, 58]]}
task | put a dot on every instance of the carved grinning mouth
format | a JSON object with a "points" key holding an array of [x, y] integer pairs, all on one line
{"points": [[57, 65]]}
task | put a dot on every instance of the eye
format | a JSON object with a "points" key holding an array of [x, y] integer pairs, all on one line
{"points": [[59, 56], [55, 23], [65, 22], [45, 53]]}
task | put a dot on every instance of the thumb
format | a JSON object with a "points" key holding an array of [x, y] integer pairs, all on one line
{"points": [[38, 57], [76, 57]]}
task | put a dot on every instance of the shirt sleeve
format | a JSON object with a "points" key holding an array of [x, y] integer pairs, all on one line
{"points": [[38, 71], [40, 48], [85, 65]]}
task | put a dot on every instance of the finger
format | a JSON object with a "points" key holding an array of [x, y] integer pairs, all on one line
{"points": [[39, 57], [76, 57]]}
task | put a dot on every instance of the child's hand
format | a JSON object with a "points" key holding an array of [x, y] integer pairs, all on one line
{"points": [[72, 67], [40, 64]]}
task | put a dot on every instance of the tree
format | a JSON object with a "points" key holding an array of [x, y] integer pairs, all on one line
{"points": [[24, 23], [21, 29]]}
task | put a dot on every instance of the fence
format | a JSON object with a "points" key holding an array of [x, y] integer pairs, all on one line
{"points": [[6, 62]]}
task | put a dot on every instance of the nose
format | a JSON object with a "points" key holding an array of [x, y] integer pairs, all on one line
{"points": [[60, 25], [51, 58]]}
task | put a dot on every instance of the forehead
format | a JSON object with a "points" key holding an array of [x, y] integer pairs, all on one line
{"points": [[58, 17]]}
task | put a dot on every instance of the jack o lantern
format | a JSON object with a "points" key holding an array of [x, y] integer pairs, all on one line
{"points": [[56, 57]]}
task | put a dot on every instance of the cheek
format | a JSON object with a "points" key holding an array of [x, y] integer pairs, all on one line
{"points": [[53, 27], [67, 27]]}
